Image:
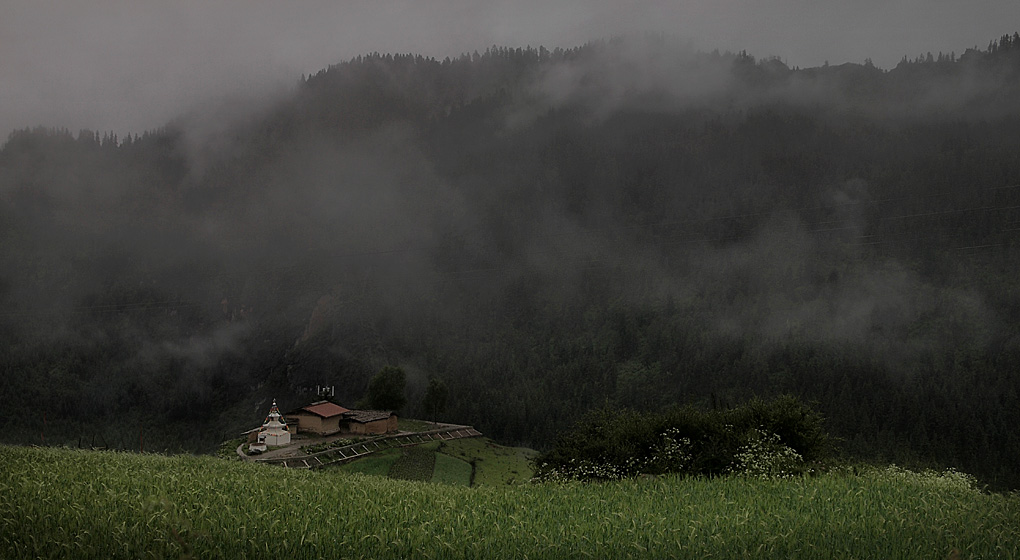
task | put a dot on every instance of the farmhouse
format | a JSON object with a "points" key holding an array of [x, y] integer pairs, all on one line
{"points": [[371, 422], [326, 418], [322, 418]]}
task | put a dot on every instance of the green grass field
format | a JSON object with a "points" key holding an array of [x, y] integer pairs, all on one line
{"points": [[422, 462], [376, 464], [493, 464], [79, 504], [415, 463], [451, 470], [464, 462], [412, 425]]}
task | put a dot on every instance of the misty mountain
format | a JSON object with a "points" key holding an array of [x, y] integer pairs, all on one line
{"points": [[629, 223]]}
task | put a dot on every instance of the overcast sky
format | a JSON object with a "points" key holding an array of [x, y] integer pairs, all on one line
{"points": [[131, 65]]}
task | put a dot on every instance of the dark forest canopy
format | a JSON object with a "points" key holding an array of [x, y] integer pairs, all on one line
{"points": [[628, 223]]}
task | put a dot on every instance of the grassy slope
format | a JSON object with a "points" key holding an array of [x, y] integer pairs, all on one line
{"points": [[412, 425], [484, 462], [76, 504], [376, 464], [422, 462], [451, 470], [493, 464], [415, 463]]}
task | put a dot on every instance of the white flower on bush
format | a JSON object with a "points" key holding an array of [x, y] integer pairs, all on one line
{"points": [[766, 456], [579, 470], [949, 479], [673, 453]]}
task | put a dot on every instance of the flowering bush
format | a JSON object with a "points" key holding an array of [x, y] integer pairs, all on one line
{"points": [[766, 456], [948, 480], [578, 470], [769, 439], [671, 455]]}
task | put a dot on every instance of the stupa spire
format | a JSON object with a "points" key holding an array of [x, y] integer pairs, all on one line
{"points": [[274, 430], [274, 414]]}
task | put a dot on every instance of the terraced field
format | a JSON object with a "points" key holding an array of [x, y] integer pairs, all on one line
{"points": [[464, 462]]}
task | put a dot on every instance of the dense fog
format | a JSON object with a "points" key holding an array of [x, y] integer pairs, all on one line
{"points": [[632, 222]]}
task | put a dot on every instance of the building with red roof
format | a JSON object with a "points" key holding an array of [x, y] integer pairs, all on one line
{"points": [[327, 418]]}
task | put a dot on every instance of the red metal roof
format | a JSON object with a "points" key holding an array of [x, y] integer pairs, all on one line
{"points": [[325, 409]]}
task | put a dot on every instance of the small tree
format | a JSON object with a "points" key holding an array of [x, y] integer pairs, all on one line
{"points": [[386, 389], [434, 401]]}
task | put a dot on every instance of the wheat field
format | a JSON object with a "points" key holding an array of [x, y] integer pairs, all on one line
{"points": [[60, 503]]}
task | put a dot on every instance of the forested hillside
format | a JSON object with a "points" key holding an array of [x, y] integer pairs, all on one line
{"points": [[627, 223]]}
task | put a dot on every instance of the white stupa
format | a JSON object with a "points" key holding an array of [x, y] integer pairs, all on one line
{"points": [[274, 430]]}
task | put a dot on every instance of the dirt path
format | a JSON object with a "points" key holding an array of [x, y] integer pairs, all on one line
{"points": [[293, 449]]}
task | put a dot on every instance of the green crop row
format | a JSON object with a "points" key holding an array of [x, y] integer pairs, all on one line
{"points": [[493, 464], [451, 470], [468, 461], [77, 504], [415, 463]]}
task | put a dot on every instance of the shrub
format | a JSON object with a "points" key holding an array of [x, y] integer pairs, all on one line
{"points": [[315, 448], [761, 438], [766, 456]]}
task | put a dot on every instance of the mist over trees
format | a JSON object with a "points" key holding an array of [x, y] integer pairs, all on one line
{"points": [[629, 223]]}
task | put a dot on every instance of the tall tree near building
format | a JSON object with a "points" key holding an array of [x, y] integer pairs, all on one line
{"points": [[434, 401], [386, 389]]}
